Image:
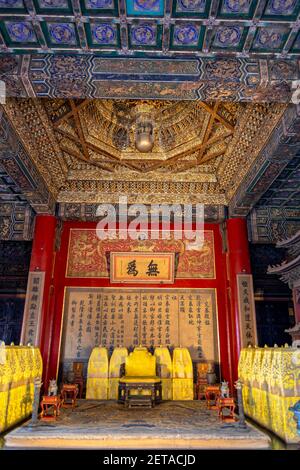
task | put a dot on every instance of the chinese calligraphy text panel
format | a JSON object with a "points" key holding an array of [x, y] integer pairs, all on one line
{"points": [[87, 255], [129, 317], [142, 267]]}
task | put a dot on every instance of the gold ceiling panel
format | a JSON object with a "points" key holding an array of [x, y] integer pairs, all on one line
{"points": [[104, 129], [85, 149]]}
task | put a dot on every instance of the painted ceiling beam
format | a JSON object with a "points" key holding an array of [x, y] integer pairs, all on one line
{"points": [[187, 78]]}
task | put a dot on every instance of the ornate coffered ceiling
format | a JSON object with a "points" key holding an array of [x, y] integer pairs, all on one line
{"points": [[101, 135], [202, 151], [236, 50], [160, 27], [273, 178]]}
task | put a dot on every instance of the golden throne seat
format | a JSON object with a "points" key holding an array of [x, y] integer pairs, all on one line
{"points": [[140, 366], [140, 379], [140, 376]]}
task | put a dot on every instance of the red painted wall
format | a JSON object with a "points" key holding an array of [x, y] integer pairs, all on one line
{"points": [[60, 282]]}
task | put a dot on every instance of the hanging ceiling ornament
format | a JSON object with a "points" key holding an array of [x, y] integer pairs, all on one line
{"points": [[143, 127]]}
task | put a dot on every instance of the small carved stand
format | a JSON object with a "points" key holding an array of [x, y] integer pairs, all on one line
{"points": [[212, 394], [78, 377], [50, 403], [69, 393], [200, 387], [226, 404]]}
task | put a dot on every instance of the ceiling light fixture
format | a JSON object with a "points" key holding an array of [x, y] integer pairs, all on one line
{"points": [[143, 127]]}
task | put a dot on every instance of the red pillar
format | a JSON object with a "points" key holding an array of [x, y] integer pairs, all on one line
{"points": [[238, 258], [42, 258]]}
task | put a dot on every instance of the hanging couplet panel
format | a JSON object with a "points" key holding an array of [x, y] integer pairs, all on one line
{"points": [[33, 307], [113, 317], [248, 330]]}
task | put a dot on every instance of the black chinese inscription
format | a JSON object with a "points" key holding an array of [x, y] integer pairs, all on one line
{"points": [[152, 269], [131, 268]]}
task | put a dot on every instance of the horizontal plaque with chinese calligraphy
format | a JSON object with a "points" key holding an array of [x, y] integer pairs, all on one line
{"points": [[142, 267], [128, 317]]}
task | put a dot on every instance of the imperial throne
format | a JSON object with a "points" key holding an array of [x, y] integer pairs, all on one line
{"points": [[140, 383]]}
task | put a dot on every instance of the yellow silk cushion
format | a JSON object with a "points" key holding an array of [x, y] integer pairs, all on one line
{"points": [[142, 380]]}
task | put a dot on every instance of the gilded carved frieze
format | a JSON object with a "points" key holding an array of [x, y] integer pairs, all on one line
{"points": [[251, 134], [32, 127], [85, 149]]}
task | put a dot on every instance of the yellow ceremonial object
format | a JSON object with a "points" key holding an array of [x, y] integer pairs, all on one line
{"points": [[262, 389], [18, 368], [118, 357], [284, 391], [164, 361], [183, 387], [97, 375], [244, 373], [273, 386]]}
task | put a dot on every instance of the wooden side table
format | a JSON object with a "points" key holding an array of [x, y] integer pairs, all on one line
{"points": [[78, 376], [79, 381], [200, 388], [69, 393], [54, 403], [212, 393], [228, 405]]}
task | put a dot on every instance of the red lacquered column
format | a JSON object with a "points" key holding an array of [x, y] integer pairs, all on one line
{"points": [[238, 263], [42, 258]]}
